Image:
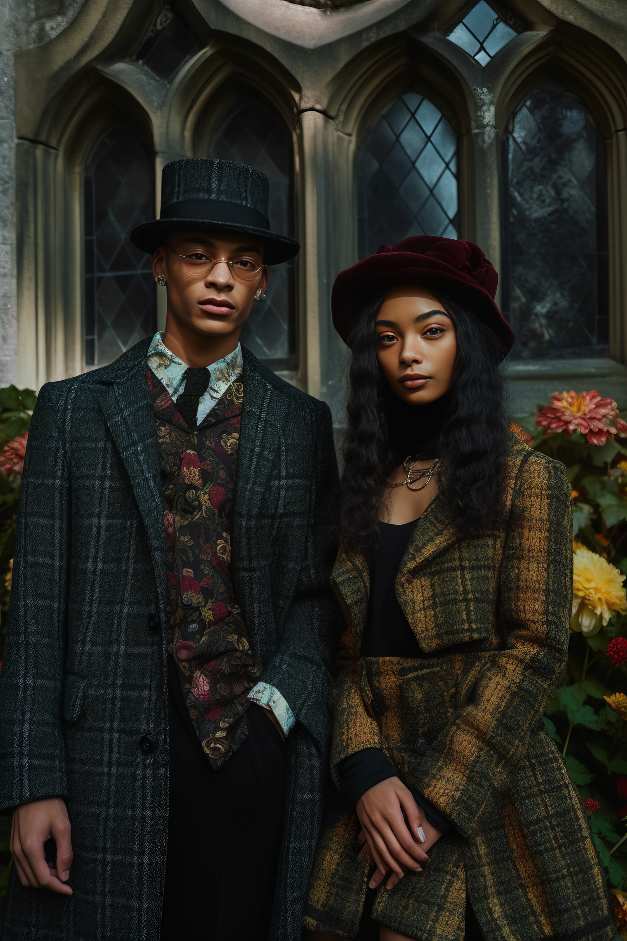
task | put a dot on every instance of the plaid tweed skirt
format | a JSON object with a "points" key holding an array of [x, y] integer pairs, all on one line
{"points": [[520, 884]]}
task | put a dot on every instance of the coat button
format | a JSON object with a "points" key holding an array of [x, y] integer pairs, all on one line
{"points": [[153, 623], [146, 745]]}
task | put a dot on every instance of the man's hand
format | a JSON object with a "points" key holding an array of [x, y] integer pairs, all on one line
{"points": [[394, 829], [32, 825]]}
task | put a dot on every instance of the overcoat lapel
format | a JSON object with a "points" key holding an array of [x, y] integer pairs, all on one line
{"points": [[433, 533], [258, 485], [128, 412]]}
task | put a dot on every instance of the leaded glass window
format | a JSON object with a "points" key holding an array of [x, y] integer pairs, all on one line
{"points": [[168, 43], [407, 175], [555, 234], [482, 33], [119, 304], [252, 132]]}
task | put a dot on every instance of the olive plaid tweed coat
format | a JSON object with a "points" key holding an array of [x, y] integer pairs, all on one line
{"points": [[83, 697], [464, 726]]}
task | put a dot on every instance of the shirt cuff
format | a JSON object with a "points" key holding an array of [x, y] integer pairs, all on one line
{"points": [[268, 697]]}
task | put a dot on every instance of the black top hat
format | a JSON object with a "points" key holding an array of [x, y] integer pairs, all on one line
{"points": [[197, 195]]}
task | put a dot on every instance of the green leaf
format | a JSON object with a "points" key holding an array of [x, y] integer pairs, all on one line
{"points": [[582, 514], [599, 752], [615, 869], [596, 642], [578, 772], [599, 456], [551, 730], [618, 766], [9, 398], [571, 697], [603, 826], [595, 485], [594, 688]]}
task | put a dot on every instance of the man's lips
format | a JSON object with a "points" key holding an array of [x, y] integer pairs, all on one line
{"points": [[216, 305]]}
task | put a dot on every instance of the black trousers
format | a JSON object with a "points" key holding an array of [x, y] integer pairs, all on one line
{"points": [[224, 836]]}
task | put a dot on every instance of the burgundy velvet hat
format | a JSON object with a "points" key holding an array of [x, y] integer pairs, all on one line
{"points": [[458, 267]]}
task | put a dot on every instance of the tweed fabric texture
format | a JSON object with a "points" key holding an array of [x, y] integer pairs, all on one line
{"points": [[83, 695], [463, 727], [214, 179]]}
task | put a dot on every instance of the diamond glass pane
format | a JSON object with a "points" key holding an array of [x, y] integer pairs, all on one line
{"points": [[555, 231], [482, 33], [253, 132], [169, 43], [407, 175], [119, 307]]}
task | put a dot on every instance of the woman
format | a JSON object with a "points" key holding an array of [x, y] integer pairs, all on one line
{"points": [[454, 815]]}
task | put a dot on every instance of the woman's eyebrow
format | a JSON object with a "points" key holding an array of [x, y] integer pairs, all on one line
{"points": [[418, 319]]}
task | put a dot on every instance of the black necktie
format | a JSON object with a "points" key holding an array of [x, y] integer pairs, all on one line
{"points": [[196, 382]]}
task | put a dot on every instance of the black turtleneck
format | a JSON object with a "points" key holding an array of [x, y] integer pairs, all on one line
{"points": [[415, 430]]}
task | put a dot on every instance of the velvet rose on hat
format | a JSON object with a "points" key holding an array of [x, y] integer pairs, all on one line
{"points": [[457, 267]]}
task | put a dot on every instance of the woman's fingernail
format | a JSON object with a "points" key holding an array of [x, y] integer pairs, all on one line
{"points": [[421, 834], [65, 875]]}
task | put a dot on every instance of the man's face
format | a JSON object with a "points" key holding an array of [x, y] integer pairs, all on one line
{"points": [[206, 296]]}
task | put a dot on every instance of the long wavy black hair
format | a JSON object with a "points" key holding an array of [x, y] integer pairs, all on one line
{"points": [[383, 430]]}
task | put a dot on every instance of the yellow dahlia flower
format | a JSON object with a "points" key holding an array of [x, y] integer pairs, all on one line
{"points": [[598, 591], [618, 702]]}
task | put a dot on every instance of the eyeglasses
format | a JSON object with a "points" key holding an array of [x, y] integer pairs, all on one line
{"points": [[242, 267]]}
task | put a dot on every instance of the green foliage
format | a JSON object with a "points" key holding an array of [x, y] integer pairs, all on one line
{"points": [[591, 735], [16, 407]]}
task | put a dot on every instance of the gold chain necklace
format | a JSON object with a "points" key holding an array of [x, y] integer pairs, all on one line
{"points": [[414, 475]]}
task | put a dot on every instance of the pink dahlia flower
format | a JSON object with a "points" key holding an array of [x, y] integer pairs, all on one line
{"points": [[12, 455], [589, 413]]}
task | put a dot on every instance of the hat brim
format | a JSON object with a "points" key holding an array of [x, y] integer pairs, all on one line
{"points": [[379, 273], [150, 235]]}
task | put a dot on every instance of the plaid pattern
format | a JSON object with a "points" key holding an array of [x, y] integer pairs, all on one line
{"points": [[463, 727], [83, 696]]}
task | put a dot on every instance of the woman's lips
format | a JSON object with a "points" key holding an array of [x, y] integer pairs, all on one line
{"points": [[416, 382]]}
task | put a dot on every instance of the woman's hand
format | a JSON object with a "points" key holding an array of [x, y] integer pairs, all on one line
{"points": [[431, 837], [394, 828]]}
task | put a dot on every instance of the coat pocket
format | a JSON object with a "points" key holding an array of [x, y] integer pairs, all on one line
{"points": [[73, 696]]}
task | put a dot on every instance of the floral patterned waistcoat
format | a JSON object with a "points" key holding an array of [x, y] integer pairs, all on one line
{"points": [[208, 638]]}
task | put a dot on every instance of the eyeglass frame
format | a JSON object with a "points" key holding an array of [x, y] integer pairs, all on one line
{"points": [[216, 261]]}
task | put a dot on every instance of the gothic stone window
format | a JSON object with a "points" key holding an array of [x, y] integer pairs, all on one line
{"points": [[119, 303], [554, 228], [252, 131], [407, 175]]}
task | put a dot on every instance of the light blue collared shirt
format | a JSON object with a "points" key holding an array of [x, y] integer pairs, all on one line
{"points": [[170, 371]]}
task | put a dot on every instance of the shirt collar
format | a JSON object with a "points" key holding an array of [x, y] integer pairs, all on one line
{"points": [[170, 369]]}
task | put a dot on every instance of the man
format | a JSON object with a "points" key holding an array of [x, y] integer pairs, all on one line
{"points": [[165, 693]]}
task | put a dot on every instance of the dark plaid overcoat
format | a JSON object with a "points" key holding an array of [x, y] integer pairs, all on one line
{"points": [[83, 695], [464, 726]]}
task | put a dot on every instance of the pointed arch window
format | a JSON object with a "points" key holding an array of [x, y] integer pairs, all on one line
{"points": [[555, 228], [252, 131], [407, 175], [119, 298]]}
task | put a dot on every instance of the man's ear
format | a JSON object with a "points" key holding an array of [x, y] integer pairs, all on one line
{"points": [[158, 262]]}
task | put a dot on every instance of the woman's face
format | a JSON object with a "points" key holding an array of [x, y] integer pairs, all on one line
{"points": [[416, 345]]}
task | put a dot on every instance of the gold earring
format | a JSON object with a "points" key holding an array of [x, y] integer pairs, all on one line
{"points": [[260, 295], [160, 280]]}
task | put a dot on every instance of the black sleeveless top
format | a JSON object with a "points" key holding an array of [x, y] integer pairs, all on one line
{"points": [[387, 633]]}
